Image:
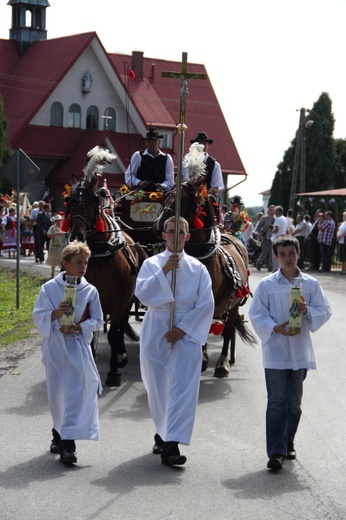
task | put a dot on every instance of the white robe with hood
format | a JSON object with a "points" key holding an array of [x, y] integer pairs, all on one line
{"points": [[171, 375], [71, 373]]}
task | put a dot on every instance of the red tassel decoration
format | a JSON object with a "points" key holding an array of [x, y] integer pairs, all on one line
{"points": [[216, 328], [197, 223], [238, 293], [100, 225], [245, 290], [64, 226]]}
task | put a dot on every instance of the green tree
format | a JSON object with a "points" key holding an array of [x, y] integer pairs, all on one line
{"points": [[340, 178], [276, 189], [321, 156], [5, 150], [321, 160]]}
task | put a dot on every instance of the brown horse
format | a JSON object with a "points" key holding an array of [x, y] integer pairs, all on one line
{"points": [[112, 268], [226, 260]]}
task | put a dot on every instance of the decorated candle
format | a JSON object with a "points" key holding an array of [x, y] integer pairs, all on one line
{"points": [[67, 319], [295, 317]]}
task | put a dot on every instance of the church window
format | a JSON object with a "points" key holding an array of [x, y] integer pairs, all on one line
{"points": [[56, 114], [92, 119], [74, 116]]}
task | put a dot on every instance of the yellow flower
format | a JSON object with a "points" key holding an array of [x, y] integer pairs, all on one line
{"points": [[124, 189], [67, 193], [154, 196]]}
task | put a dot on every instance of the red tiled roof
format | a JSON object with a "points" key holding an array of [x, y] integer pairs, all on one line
{"points": [[28, 80], [158, 100]]}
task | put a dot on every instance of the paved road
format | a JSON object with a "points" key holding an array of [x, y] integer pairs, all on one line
{"points": [[225, 476]]}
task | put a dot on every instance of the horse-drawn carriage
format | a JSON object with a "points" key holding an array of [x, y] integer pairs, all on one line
{"points": [[120, 241]]}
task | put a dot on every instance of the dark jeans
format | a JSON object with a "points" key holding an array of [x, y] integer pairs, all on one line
{"points": [[41, 241], [285, 392], [326, 253], [315, 254], [301, 241]]}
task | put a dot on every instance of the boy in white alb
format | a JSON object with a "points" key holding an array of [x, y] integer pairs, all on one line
{"points": [[172, 375]]}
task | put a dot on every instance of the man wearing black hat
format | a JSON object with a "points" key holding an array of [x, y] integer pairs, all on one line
{"points": [[151, 169], [214, 178]]}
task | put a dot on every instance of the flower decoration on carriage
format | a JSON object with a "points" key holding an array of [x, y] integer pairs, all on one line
{"points": [[124, 189], [66, 194], [137, 196], [201, 194], [156, 196]]}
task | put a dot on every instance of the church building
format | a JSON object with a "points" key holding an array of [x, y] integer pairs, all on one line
{"points": [[66, 95]]}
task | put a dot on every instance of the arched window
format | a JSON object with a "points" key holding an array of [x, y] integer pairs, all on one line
{"points": [[38, 19], [92, 119], [56, 114], [28, 18], [109, 119], [74, 116]]}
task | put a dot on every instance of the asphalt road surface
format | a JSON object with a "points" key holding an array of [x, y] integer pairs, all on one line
{"points": [[225, 476]]}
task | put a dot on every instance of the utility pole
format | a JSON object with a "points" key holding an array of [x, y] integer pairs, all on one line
{"points": [[300, 156], [297, 156]]}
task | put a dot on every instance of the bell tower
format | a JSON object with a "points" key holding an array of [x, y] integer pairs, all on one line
{"points": [[28, 22]]}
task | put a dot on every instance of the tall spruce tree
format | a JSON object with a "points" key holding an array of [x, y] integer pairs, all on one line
{"points": [[321, 157]]}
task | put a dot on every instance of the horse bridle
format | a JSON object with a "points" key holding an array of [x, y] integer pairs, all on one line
{"points": [[82, 187]]}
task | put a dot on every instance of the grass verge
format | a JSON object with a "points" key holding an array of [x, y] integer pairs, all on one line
{"points": [[17, 324]]}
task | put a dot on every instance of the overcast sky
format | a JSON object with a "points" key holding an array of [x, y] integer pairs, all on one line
{"points": [[265, 59]]}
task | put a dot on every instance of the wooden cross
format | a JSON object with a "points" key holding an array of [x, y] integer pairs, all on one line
{"points": [[183, 76]]}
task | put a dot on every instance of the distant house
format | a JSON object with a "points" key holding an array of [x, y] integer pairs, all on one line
{"points": [[265, 198], [66, 95]]}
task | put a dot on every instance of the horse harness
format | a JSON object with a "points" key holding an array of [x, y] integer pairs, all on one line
{"points": [[104, 249]]}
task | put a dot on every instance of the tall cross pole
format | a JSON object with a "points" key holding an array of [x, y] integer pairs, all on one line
{"points": [[183, 76]]}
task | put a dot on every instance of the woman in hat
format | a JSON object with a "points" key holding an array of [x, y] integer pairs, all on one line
{"points": [[58, 240], [151, 169]]}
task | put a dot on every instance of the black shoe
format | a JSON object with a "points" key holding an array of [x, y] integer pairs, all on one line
{"points": [[113, 378], [275, 462], [67, 456], [54, 446], [258, 266], [173, 460], [291, 452], [170, 455], [158, 446]]}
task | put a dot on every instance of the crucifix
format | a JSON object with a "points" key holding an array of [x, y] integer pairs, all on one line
{"points": [[183, 76], [106, 117]]}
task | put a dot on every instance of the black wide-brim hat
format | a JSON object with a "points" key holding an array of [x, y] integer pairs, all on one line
{"points": [[202, 136], [152, 133]]}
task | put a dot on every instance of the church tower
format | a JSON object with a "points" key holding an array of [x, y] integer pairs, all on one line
{"points": [[28, 22]]}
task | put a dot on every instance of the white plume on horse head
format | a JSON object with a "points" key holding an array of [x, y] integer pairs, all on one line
{"points": [[193, 163], [96, 159]]}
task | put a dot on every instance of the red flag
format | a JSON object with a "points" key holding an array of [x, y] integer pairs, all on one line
{"points": [[131, 74]]}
